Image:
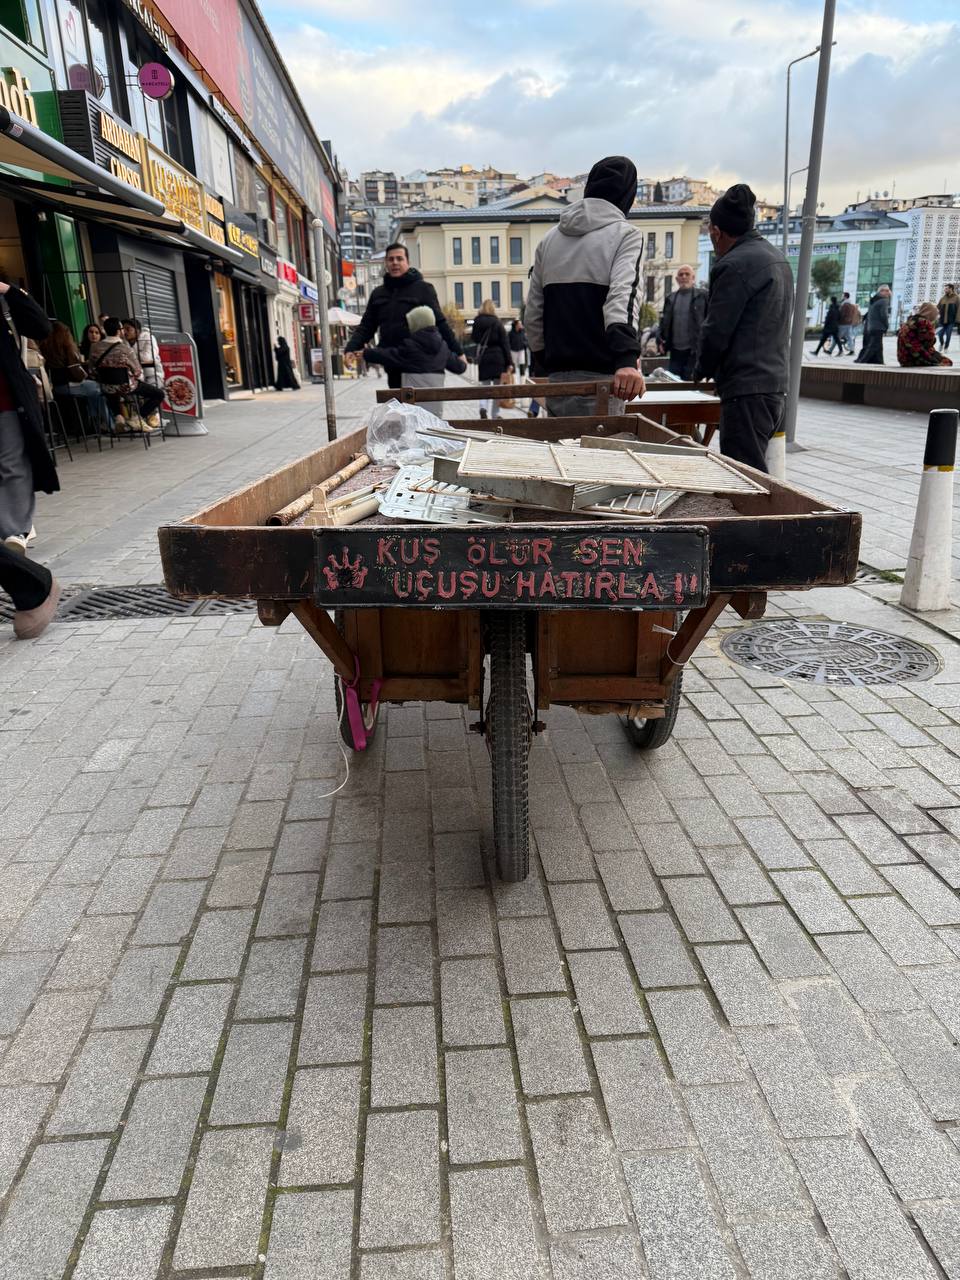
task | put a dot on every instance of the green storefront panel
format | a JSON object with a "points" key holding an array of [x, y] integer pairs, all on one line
{"points": [[27, 86]]}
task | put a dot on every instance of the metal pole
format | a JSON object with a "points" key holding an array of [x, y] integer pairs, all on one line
{"points": [[809, 223], [328, 387]]}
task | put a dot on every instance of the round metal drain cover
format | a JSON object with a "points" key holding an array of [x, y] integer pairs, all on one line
{"points": [[829, 653]]}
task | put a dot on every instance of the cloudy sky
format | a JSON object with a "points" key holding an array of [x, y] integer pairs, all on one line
{"points": [[681, 86]]}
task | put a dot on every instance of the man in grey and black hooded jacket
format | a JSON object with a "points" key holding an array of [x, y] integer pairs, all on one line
{"points": [[584, 297]]}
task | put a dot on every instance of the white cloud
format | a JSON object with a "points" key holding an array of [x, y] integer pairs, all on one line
{"points": [[550, 84]]}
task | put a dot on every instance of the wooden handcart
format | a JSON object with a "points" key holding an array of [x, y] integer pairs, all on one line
{"points": [[509, 619]]}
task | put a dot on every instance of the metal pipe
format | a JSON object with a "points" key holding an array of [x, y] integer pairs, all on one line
{"points": [[329, 397], [809, 222]]}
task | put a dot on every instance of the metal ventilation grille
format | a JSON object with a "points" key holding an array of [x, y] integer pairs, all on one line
{"points": [[830, 653], [107, 604]]}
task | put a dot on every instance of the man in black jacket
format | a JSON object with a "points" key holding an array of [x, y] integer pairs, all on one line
{"points": [[403, 289], [744, 342], [683, 315], [874, 327]]}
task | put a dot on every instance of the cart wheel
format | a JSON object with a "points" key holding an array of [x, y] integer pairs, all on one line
{"points": [[508, 736], [650, 734], [370, 718]]}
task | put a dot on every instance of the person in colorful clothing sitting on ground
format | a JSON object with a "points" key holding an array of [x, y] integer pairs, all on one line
{"points": [[917, 339]]}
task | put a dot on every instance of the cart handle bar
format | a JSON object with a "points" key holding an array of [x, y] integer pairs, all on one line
{"points": [[498, 391]]}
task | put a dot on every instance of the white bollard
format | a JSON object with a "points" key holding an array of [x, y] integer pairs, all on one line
{"points": [[777, 455], [929, 575]]}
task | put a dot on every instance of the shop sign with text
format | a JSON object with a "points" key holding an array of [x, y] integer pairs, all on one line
{"points": [[96, 133], [308, 289], [241, 231], [181, 377], [178, 190], [17, 96], [27, 88], [287, 274], [216, 218], [144, 13]]}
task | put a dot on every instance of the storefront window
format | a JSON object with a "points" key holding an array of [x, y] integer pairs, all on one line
{"points": [[145, 114], [98, 33], [283, 235], [243, 176], [297, 243], [228, 330], [74, 43], [22, 17]]}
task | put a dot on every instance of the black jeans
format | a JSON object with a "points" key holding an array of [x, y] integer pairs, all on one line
{"points": [[746, 425], [394, 377], [150, 397], [25, 582]]}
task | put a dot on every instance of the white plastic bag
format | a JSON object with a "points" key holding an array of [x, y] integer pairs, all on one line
{"points": [[393, 439]]}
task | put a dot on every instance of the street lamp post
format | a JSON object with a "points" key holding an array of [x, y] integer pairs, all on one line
{"points": [[786, 145], [328, 387], [808, 224]]}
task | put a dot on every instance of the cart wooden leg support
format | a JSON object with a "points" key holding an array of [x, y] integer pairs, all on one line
{"points": [[508, 726]]}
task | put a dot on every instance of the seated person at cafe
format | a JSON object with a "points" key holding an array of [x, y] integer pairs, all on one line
{"points": [[112, 353], [68, 373]]}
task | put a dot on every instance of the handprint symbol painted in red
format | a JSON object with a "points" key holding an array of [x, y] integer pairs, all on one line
{"points": [[344, 572]]}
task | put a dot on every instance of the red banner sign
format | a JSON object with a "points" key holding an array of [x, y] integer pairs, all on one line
{"points": [[181, 378]]}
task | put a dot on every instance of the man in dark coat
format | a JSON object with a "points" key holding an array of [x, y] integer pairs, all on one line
{"points": [[683, 315], [874, 327], [403, 289], [25, 466], [744, 342]]}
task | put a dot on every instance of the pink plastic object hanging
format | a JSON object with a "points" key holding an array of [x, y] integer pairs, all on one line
{"points": [[351, 696]]}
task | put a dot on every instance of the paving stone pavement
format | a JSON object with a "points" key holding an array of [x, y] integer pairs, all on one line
{"points": [[250, 1028]]}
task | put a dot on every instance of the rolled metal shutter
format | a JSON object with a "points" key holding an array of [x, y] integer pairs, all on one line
{"points": [[156, 294]]}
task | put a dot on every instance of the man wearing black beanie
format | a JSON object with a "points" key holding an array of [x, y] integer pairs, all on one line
{"points": [[584, 297], [744, 341]]}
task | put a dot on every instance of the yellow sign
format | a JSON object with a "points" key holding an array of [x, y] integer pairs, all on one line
{"points": [[180, 191], [213, 207], [121, 139], [16, 97], [125, 173], [243, 240], [215, 232]]}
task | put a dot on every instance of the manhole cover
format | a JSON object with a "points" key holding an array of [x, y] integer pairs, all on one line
{"points": [[150, 600], [830, 653]]}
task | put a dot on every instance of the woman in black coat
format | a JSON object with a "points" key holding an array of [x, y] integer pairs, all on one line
{"points": [[25, 462], [831, 328], [285, 374], [494, 356]]}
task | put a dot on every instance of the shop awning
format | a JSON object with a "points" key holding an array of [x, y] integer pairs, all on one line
{"points": [[24, 147]]}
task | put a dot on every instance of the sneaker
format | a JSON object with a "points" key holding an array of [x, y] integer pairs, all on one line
{"points": [[154, 421], [30, 623], [16, 542], [119, 422], [32, 536]]}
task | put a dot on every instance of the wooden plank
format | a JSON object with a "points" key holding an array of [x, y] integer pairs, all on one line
{"points": [[749, 604], [544, 427], [319, 626], [586, 688], [519, 567], [692, 630], [419, 689]]}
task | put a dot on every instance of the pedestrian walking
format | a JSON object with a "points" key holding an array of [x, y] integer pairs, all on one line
{"points": [[286, 378], [875, 326], [403, 289], [421, 358], [584, 298], [849, 320], [494, 357], [831, 329], [917, 339], [32, 588], [744, 338], [26, 465], [948, 309], [680, 323], [518, 348]]}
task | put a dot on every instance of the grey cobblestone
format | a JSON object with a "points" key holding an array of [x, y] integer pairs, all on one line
{"points": [[844, 867], [627, 880], [582, 917], [530, 957], [669, 850], [493, 1232], [333, 1018], [701, 911], [463, 922], [471, 1004], [287, 908], [152, 1154], [606, 1257], [125, 1242], [310, 1235], [99, 1083], [21, 1110], [252, 1074], [271, 980], [320, 1146], [221, 1223], [342, 938], [608, 1001], [836, 1030], [657, 950], [739, 879], [802, 1099], [699, 1050], [401, 1180], [575, 1165], [548, 1047], [932, 900], [640, 1101], [134, 995], [871, 978], [920, 1162], [404, 965], [928, 1058], [404, 1057], [239, 880], [482, 1114], [900, 932], [218, 945], [772, 843], [412, 1264], [819, 907], [41, 1050], [564, 854], [870, 1233], [786, 1251], [191, 1029], [875, 840], [680, 1233], [21, 977], [47, 1208], [746, 994]]}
